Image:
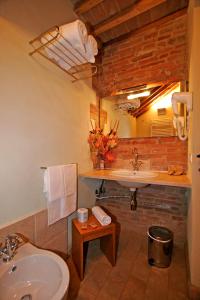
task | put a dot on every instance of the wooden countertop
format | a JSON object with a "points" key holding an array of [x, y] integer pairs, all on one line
{"points": [[162, 178]]}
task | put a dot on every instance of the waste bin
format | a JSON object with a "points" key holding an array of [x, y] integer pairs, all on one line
{"points": [[160, 245]]}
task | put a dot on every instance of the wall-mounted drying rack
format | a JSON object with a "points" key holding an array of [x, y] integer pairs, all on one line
{"points": [[53, 46]]}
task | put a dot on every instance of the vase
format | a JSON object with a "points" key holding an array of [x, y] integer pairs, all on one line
{"points": [[95, 159], [102, 164]]}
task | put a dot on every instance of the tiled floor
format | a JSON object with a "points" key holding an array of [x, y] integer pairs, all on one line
{"points": [[132, 278]]}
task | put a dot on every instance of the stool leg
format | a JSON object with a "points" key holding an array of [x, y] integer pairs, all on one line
{"points": [[108, 246], [78, 252]]}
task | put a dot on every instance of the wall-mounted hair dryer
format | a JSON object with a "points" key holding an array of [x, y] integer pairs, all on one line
{"points": [[179, 121]]}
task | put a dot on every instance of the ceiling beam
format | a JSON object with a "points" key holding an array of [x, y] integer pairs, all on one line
{"points": [[84, 6], [158, 93], [157, 22], [135, 10]]}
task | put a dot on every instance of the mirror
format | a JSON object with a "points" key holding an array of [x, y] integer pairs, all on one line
{"points": [[142, 111]]}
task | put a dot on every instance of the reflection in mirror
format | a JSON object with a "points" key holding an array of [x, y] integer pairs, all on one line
{"points": [[143, 111]]}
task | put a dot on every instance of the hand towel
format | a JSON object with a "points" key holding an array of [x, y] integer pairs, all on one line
{"points": [[70, 188], [54, 183], [101, 216], [61, 196]]}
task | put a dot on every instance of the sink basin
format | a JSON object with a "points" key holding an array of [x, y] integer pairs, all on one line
{"points": [[34, 274], [132, 185], [133, 174], [129, 174]]}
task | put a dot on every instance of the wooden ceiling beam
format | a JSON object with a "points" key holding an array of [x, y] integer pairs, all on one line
{"points": [[122, 17], [158, 93], [139, 30], [84, 6], [146, 105]]}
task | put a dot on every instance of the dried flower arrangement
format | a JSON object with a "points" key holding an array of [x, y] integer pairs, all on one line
{"points": [[101, 145]]}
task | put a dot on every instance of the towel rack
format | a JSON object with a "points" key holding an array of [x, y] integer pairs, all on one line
{"points": [[71, 57]]}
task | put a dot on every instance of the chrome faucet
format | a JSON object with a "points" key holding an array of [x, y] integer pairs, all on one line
{"points": [[12, 242], [136, 164]]}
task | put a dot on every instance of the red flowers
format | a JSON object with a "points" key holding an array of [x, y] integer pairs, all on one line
{"points": [[103, 144]]}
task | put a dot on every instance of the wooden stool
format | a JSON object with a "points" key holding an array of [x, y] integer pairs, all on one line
{"points": [[81, 237]]}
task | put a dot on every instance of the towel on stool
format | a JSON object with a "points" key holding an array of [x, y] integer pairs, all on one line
{"points": [[60, 186], [101, 216]]}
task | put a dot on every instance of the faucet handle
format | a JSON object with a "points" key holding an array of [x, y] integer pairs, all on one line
{"points": [[140, 162], [17, 238], [134, 150], [14, 240], [11, 244]]}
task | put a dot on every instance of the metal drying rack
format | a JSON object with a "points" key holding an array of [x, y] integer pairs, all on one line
{"points": [[70, 56]]}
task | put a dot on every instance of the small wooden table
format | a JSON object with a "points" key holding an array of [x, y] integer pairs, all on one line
{"points": [[81, 237]]}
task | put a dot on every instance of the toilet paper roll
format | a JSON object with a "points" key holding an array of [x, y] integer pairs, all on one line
{"points": [[82, 215]]}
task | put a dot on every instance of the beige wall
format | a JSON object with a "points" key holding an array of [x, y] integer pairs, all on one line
{"points": [[43, 116], [194, 145], [129, 126], [127, 123], [144, 122]]}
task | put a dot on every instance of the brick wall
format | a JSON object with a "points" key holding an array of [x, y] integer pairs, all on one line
{"points": [[157, 153], [157, 205], [154, 53]]}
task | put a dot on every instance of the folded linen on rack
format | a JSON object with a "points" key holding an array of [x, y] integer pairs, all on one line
{"points": [[76, 34], [101, 216], [60, 186], [72, 47], [91, 48]]}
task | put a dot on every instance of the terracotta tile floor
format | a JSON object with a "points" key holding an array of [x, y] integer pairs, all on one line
{"points": [[132, 277]]}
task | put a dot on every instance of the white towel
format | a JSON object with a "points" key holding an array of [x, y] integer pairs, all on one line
{"points": [[70, 188], [61, 190], [101, 216], [91, 49], [76, 34]]}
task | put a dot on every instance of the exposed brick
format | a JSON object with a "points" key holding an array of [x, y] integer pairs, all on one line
{"points": [[155, 53], [161, 152], [154, 208]]}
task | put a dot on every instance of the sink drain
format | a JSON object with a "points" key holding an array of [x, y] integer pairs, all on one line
{"points": [[26, 297]]}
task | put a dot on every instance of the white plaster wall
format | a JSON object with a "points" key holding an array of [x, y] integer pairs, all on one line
{"points": [[43, 115]]}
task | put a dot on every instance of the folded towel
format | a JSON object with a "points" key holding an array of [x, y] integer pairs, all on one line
{"points": [[70, 189], [53, 183], [60, 186], [91, 48], [76, 34], [101, 216], [72, 36]]}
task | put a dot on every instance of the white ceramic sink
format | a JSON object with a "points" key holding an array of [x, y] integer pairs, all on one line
{"points": [[133, 174], [129, 174], [34, 274]]}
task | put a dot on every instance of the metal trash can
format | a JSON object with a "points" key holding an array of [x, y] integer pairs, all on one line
{"points": [[160, 245]]}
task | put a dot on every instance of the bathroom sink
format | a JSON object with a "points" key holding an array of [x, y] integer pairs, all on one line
{"points": [[33, 274], [133, 174], [132, 185], [129, 174]]}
